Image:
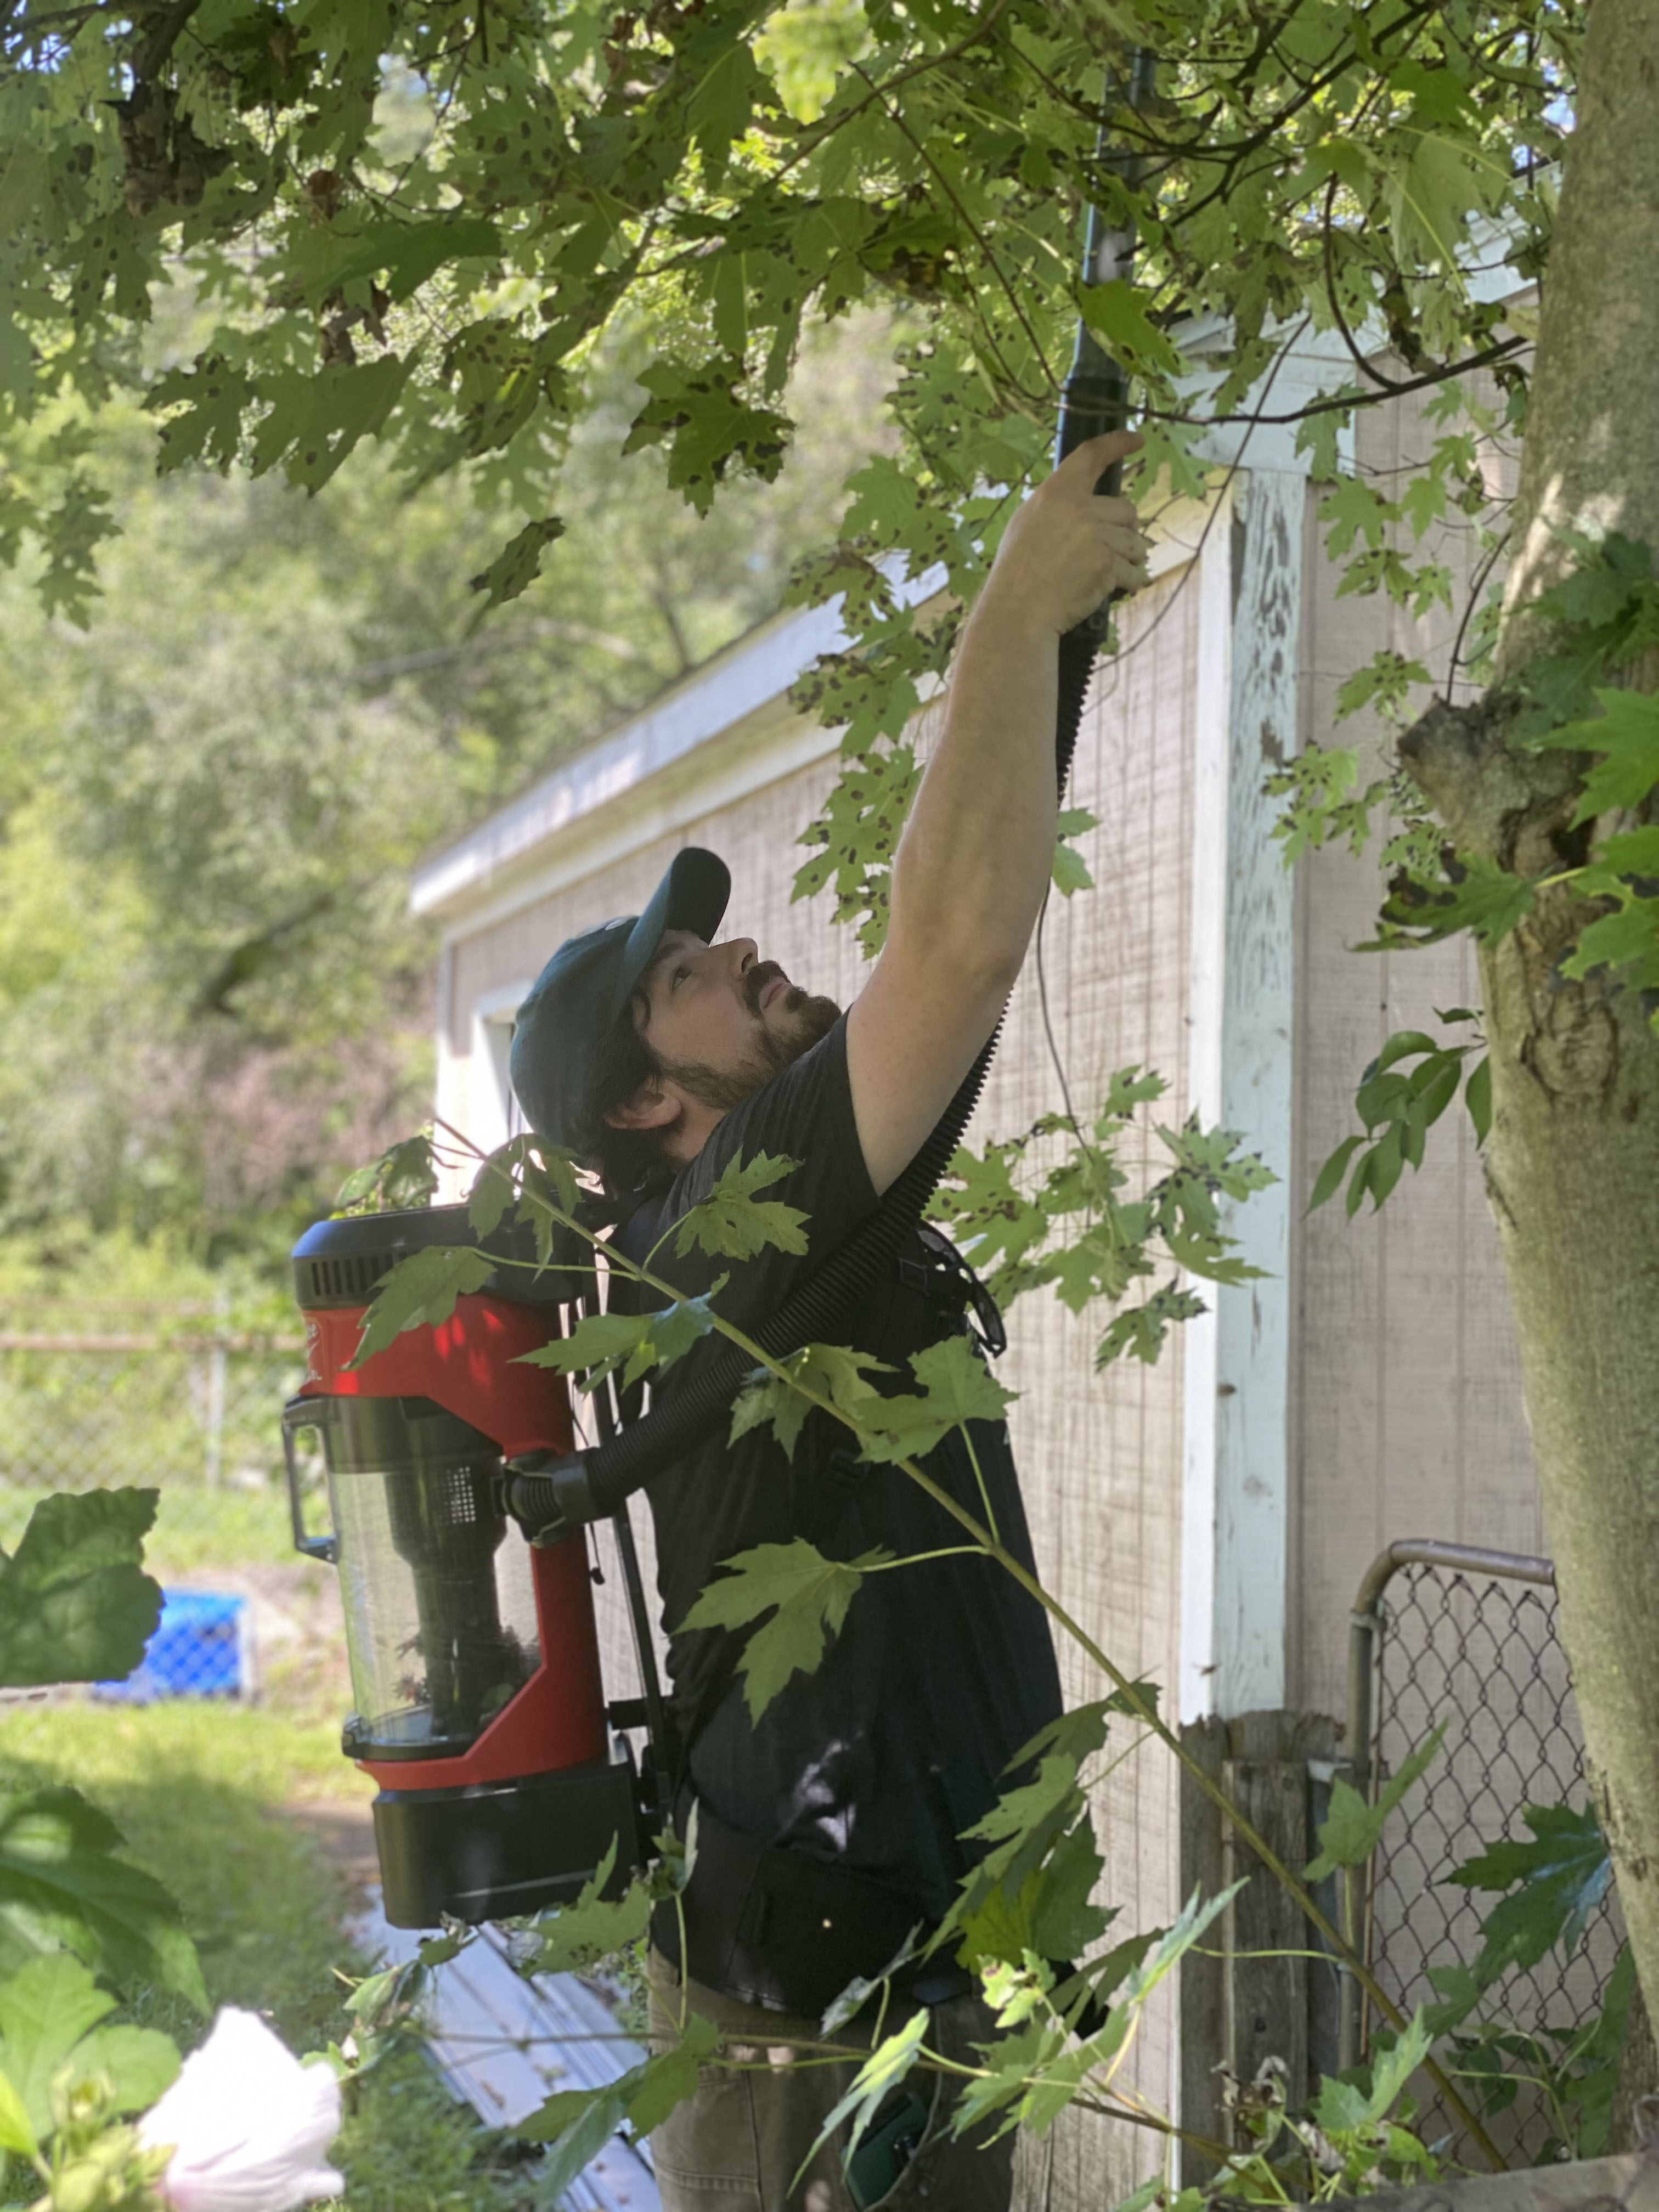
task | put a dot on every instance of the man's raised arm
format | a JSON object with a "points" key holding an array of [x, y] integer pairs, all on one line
{"points": [[974, 863]]}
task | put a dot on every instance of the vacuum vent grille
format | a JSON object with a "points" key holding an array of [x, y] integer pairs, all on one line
{"points": [[347, 1280]]}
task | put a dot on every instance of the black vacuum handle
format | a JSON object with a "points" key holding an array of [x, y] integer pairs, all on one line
{"points": [[305, 1413]]}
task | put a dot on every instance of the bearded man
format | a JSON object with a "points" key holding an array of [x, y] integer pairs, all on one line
{"points": [[835, 1825]]}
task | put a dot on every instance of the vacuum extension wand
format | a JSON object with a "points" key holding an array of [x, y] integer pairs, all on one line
{"points": [[548, 1492]]}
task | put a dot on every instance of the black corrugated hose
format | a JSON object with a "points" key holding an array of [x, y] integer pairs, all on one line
{"points": [[597, 1483]]}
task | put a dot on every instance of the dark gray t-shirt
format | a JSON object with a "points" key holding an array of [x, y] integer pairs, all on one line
{"points": [[942, 1670]]}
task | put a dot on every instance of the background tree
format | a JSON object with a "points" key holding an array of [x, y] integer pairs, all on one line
{"points": [[214, 792], [421, 224]]}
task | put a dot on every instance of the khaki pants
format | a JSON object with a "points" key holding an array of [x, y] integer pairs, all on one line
{"points": [[736, 2145]]}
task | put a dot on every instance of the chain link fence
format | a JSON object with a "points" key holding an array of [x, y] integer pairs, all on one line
{"points": [[164, 1396], [1468, 1642], [176, 1398]]}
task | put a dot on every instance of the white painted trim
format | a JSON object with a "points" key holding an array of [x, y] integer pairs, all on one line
{"points": [[486, 1122], [1245, 1365], [1253, 1594], [505, 999], [1212, 723]]}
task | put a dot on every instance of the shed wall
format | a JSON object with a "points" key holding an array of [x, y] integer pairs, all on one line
{"points": [[1101, 1455], [1409, 1417]]}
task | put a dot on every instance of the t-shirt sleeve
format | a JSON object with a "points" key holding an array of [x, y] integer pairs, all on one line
{"points": [[803, 1115]]}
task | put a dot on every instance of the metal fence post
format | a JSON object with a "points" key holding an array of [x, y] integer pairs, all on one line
{"points": [[213, 1458]]}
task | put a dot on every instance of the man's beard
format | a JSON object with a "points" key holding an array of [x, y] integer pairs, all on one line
{"points": [[724, 1088]]}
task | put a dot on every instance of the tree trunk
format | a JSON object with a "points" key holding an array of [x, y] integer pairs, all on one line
{"points": [[1631, 2122], [1572, 1160]]}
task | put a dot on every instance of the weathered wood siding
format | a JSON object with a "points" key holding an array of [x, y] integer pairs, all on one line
{"points": [[1409, 1418], [1408, 1413]]}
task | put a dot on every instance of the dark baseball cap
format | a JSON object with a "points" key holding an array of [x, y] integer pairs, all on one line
{"points": [[578, 996]]}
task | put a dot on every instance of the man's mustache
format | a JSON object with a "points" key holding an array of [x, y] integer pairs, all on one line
{"points": [[755, 980]]}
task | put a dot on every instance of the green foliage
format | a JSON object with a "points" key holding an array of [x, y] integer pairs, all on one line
{"points": [[889, 2062], [955, 1387], [577, 2124], [600, 1344], [1596, 622], [1601, 616], [405, 1176], [1323, 805], [1031, 1890], [212, 802], [593, 1926], [1070, 870], [1036, 2069], [1351, 1829], [1558, 1878], [1455, 892], [532, 1177], [1385, 684], [1032, 1212], [783, 1399], [88, 2161], [1403, 1107], [807, 1596], [1355, 2137], [1624, 734], [263, 1905], [451, 241], [63, 1887], [733, 1223], [76, 1605], [421, 1292], [50, 2015]]}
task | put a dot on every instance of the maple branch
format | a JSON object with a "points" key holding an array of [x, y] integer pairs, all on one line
{"points": [[1387, 383], [979, 239], [1349, 400], [1272, 129], [158, 42]]}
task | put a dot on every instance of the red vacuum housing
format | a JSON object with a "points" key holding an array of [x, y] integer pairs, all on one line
{"points": [[480, 1711]]}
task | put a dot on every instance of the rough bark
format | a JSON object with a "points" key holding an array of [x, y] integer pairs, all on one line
{"points": [[1631, 2122], [1591, 454], [1572, 1161]]}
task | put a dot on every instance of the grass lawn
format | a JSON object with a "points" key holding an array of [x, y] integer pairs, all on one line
{"points": [[196, 1786]]}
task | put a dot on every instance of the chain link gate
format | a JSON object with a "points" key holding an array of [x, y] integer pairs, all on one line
{"points": [[1449, 1634]]}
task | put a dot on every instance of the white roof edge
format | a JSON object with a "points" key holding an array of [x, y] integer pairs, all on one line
{"points": [[738, 683]]}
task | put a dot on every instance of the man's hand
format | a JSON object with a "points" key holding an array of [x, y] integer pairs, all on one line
{"points": [[1068, 550]]}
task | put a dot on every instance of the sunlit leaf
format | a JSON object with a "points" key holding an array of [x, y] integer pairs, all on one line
{"points": [[76, 1605], [1352, 1830], [733, 1223], [807, 1596], [421, 1292]]}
